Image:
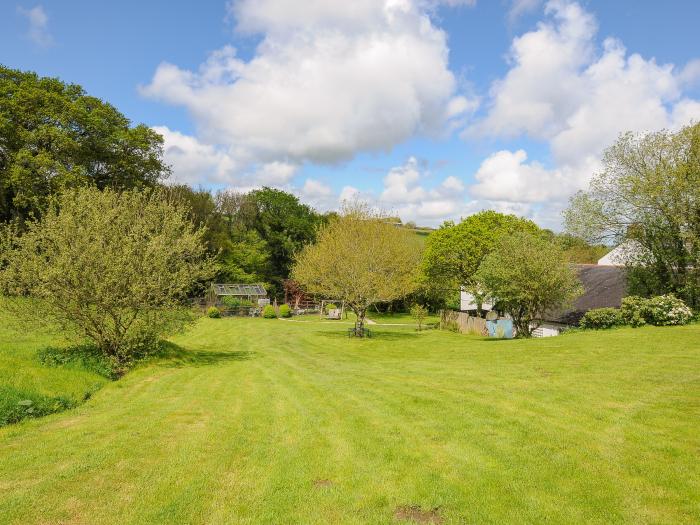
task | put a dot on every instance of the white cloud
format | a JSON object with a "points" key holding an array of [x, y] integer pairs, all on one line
{"points": [[519, 8], [406, 194], [505, 175], [38, 25], [193, 162], [328, 80], [562, 90]]}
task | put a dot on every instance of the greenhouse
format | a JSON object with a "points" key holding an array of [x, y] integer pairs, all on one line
{"points": [[230, 294]]}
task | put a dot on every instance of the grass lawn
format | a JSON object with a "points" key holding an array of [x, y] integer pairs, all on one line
{"points": [[24, 379], [255, 421]]}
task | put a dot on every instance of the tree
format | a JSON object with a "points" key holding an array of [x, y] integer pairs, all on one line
{"points": [[528, 276], [273, 225], [361, 259], [453, 253], [112, 267], [648, 192], [54, 136], [419, 313]]}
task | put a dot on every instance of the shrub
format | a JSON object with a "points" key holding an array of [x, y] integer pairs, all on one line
{"points": [[662, 310], [285, 311], [419, 313], [269, 312], [329, 307], [600, 318], [633, 310], [214, 312], [667, 310]]}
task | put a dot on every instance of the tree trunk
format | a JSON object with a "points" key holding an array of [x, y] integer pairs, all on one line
{"points": [[360, 322]]}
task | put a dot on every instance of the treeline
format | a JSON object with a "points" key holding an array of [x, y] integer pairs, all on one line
{"points": [[55, 137]]}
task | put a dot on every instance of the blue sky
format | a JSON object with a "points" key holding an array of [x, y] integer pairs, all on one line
{"points": [[433, 109]]}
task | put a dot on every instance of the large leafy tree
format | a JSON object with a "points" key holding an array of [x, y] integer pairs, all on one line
{"points": [[361, 259], [54, 136], [112, 267], [454, 252], [648, 193], [528, 276], [268, 227]]}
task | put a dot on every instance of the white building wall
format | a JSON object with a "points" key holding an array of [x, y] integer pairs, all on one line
{"points": [[467, 302]]}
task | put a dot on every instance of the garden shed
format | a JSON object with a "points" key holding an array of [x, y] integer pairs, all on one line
{"points": [[245, 292]]}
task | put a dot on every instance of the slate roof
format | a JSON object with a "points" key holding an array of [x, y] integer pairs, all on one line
{"points": [[604, 287]]}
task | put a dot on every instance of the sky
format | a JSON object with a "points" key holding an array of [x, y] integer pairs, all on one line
{"points": [[429, 109]]}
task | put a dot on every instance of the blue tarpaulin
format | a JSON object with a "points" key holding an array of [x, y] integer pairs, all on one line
{"points": [[502, 328]]}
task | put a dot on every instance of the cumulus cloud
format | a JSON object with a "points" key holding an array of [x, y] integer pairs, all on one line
{"points": [[38, 25], [328, 80], [407, 192], [564, 90]]}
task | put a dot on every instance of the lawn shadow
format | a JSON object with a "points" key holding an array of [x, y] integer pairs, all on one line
{"points": [[175, 356]]}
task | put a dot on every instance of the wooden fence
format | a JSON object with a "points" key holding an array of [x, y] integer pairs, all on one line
{"points": [[462, 323]]}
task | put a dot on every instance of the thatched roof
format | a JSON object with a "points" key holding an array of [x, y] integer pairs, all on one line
{"points": [[604, 286]]}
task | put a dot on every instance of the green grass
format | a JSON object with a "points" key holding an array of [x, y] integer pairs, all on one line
{"points": [[28, 388], [401, 318], [256, 421]]}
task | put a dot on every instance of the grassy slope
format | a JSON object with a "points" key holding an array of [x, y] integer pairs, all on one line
{"points": [[22, 376], [584, 428]]}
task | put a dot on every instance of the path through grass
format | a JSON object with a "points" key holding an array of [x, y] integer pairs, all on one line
{"points": [[266, 421]]}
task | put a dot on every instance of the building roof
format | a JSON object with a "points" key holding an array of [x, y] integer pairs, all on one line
{"points": [[238, 289], [604, 287]]}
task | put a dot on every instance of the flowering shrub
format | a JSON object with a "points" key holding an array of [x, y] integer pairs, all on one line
{"points": [[600, 318], [662, 310], [667, 310]]}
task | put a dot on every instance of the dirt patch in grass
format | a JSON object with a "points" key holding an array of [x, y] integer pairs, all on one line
{"points": [[416, 514], [323, 483]]}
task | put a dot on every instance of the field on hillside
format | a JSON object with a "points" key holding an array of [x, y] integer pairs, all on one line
{"points": [[255, 421]]}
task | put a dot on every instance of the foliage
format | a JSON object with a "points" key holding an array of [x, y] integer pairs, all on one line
{"points": [[293, 292], [578, 250], [54, 136], [16, 405], [663, 310], [633, 311], [269, 312], [453, 253], [528, 276], [112, 267], [649, 193], [285, 310], [329, 306], [361, 259], [213, 312], [273, 226], [601, 318], [419, 313], [232, 301], [84, 356]]}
